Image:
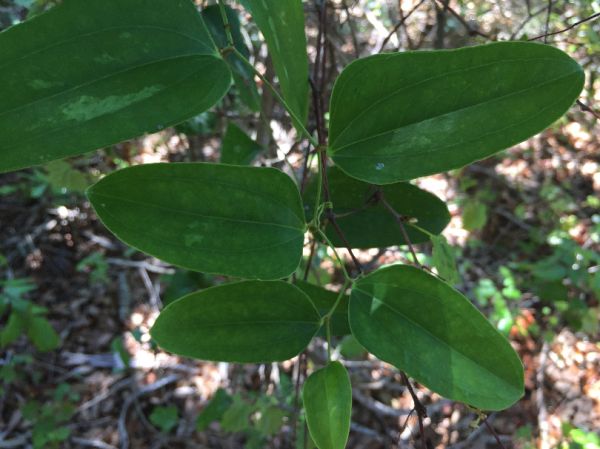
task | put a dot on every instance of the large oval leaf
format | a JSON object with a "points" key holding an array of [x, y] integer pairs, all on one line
{"points": [[327, 397], [238, 221], [396, 117], [245, 322], [423, 326], [282, 24], [324, 300], [359, 212], [92, 73]]}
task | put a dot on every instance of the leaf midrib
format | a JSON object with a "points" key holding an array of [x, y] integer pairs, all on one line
{"points": [[427, 331], [404, 88], [255, 322], [103, 30], [194, 214], [436, 149], [298, 216], [105, 77]]}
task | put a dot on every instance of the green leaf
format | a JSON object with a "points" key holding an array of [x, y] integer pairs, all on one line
{"points": [[399, 116], [243, 76], [237, 221], [182, 283], [324, 300], [165, 418], [92, 73], [238, 148], [421, 325], [13, 329], [215, 410], [246, 322], [42, 334], [62, 176], [359, 212], [474, 215], [118, 348], [282, 25], [237, 416], [444, 260], [350, 348], [327, 397], [202, 124], [270, 420]]}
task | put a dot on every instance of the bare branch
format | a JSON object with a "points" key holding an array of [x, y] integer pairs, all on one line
{"points": [[570, 27], [399, 24]]}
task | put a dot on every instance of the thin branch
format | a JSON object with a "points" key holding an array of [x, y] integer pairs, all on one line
{"points": [[471, 31], [570, 27], [277, 95], [122, 424], [379, 408], [400, 220], [493, 432], [305, 168], [399, 24], [352, 30], [317, 83], [419, 408], [586, 108], [530, 16], [547, 21], [340, 233], [299, 375], [310, 258]]}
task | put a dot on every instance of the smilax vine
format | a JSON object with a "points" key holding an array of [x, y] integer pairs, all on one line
{"points": [[92, 73]]}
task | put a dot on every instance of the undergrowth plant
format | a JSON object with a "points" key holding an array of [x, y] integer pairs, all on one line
{"points": [[91, 73]]}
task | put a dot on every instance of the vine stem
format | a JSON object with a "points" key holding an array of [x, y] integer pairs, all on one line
{"points": [[337, 255], [400, 220], [419, 408], [493, 432], [327, 318], [226, 23], [277, 95]]}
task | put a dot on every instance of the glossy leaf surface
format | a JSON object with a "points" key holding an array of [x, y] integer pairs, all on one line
{"points": [[238, 221], [423, 326], [396, 117], [246, 322], [238, 148], [324, 300], [327, 397], [366, 223], [282, 24], [243, 76], [92, 73]]}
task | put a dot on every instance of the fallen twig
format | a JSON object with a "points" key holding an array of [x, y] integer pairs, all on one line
{"points": [[122, 426]]}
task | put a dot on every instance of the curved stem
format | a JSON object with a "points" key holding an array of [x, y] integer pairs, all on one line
{"points": [[328, 315], [226, 23], [277, 95], [337, 256]]}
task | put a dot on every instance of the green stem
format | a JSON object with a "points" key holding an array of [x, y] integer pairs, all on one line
{"points": [[316, 218], [226, 23], [327, 317], [277, 95], [337, 256], [328, 332]]}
